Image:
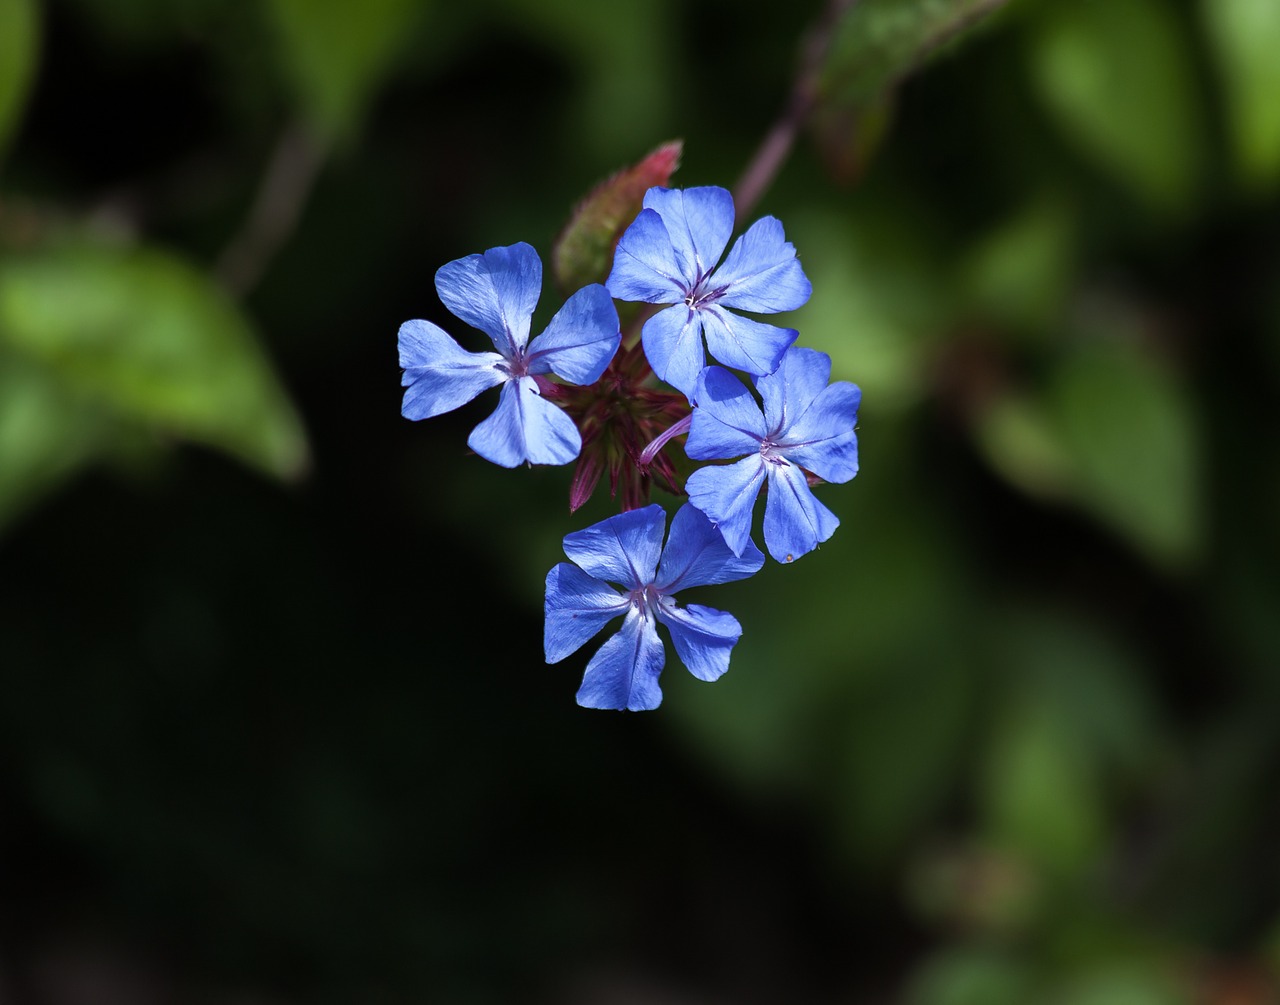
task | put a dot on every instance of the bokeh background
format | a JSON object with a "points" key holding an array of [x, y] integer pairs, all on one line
{"points": [[275, 724]]}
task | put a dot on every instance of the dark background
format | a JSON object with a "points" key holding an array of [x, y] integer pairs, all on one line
{"points": [[276, 724]]}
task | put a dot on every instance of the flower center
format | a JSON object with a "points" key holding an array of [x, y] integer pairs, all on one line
{"points": [[771, 451], [515, 366], [646, 598], [703, 294]]}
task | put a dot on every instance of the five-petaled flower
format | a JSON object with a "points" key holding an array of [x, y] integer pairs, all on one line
{"points": [[806, 425], [627, 549], [669, 255], [497, 292]]}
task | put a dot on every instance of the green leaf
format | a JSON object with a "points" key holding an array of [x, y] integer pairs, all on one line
{"points": [[1114, 434], [45, 434], [879, 297], [1041, 794], [1014, 433], [19, 38], [1245, 35], [876, 45], [971, 976], [337, 53], [583, 251], [1020, 273], [880, 808], [1126, 984], [1128, 425], [141, 335], [1076, 731], [1118, 75]]}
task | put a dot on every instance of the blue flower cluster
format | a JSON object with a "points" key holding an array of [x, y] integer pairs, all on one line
{"points": [[787, 429]]}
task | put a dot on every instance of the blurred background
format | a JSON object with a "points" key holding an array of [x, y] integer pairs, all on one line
{"points": [[275, 723]]}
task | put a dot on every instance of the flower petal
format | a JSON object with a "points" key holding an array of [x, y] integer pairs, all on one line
{"points": [[622, 549], [696, 555], [623, 674], [703, 637], [673, 345], [525, 427], [645, 266], [743, 344], [581, 339], [792, 388], [495, 292], [440, 375], [794, 521], [726, 420], [823, 440], [576, 607], [761, 273], [726, 493], [699, 222]]}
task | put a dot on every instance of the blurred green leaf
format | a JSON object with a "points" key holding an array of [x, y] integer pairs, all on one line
{"points": [[1020, 273], [1128, 425], [19, 36], [1077, 731], [1113, 433], [338, 52], [1089, 678], [972, 976], [622, 55], [1246, 39], [1271, 948], [876, 45], [583, 251], [1041, 794], [141, 334], [1124, 985], [45, 434], [1018, 440], [879, 298], [891, 788], [1118, 76]]}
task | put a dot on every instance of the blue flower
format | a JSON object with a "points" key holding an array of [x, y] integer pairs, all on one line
{"points": [[805, 425], [668, 256], [627, 550], [497, 292]]}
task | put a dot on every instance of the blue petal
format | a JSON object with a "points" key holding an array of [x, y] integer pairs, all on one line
{"points": [[495, 292], [703, 637], [761, 273], [744, 344], [525, 427], [440, 375], [823, 440], [696, 555], [576, 607], [673, 345], [699, 222], [622, 549], [726, 421], [623, 674], [726, 493], [792, 388], [794, 521], [645, 266], [581, 339]]}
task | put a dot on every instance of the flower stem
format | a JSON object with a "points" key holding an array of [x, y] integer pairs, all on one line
{"points": [[776, 146]]}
